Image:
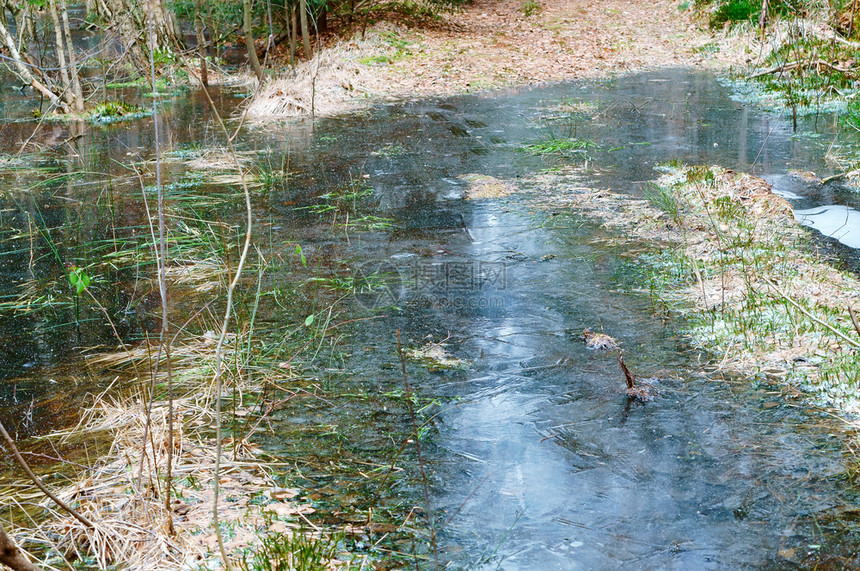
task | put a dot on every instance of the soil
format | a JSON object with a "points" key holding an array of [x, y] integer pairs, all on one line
{"points": [[491, 44], [511, 42]]}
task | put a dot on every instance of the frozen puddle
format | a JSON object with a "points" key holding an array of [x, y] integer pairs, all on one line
{"points": [[834, 221]]}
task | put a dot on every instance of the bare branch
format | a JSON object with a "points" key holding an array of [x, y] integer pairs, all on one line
{"points": [[37, 481], [12, 556], [854, 319]]}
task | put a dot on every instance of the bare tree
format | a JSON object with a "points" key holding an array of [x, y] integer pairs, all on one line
{"points": [[201, 44], [60, 48], [73, 60], [292, 21], [129, 20], [22, 68], [306, 38], [249, 40]]}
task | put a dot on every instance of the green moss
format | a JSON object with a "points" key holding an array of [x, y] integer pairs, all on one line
{"points": [[160, 84], [115, 111], [733, 11]]}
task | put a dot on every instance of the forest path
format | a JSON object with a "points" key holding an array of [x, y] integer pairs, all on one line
{"points": [[494, 44]]}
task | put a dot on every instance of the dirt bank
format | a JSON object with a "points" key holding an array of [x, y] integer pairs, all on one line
{"points": [[727, 255], [491, 44], [494, 44]]}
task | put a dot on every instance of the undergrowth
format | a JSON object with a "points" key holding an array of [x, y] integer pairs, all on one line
{"points": [[743, 273], [722, 12]]}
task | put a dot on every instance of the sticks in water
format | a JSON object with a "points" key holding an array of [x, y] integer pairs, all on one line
{"points": [[20, 459], [11, 555], [408, 396]]}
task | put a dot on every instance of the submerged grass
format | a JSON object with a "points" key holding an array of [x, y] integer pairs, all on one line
{"points": [[90, 237], [557, 134], [559, 147], [285, 552], [93, 256], [122, 490]]}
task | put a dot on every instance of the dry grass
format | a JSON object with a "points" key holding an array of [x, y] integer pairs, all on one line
{"points": [[435, 357], [123, 493], [598, 341], [219, 159], [203, 276], [326, 82], [218, 76], [733, 260], [189, 358], [483, 186]]}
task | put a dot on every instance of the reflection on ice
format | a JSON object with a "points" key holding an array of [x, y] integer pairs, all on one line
{"points": [[835, 221]]}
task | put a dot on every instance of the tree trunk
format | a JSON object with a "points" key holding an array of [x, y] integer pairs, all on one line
{"points": [[294, 25], [129, 19], [23, 72], [215, 32], [306, 38], [11, 556], [73, 60], [201, 45], [762, 19], [26, 27], [853, 19], [61, 53], [249, 41]]}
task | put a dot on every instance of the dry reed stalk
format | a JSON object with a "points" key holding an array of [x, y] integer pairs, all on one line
{"points": [[193, 353], [219, 159], [129, 521], [339, 73]]}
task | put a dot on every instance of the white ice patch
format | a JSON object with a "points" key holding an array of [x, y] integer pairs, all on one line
{"points": [[787, 194], [836, 221]]}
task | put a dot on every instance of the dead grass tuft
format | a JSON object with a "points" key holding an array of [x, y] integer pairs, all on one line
{"points": [[219, 159], [123, 492], [483, 186], [730, 256], [326, 83]]}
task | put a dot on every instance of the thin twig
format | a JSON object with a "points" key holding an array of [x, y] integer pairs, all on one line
{"points": [[415, 435], [12, 556], [795, 64], [231, 288], [163, 336], [841, 175], [854, 319], [469, 497], [628, 376], [810, 316]]}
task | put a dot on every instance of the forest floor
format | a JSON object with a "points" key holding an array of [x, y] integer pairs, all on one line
{"points": [[493, 44], [511, 42]]}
